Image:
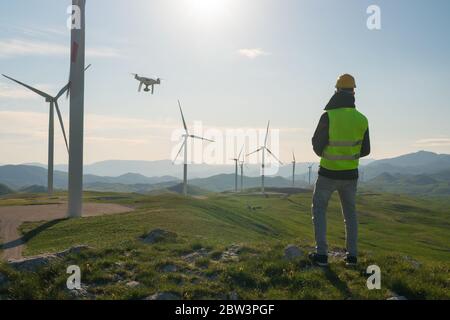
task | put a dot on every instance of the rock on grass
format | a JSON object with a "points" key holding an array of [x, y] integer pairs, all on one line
{"points": [[133, 284], [192, 257], [292, 252], [163, 296], [231, 254], [32, 263], [158, 235]]}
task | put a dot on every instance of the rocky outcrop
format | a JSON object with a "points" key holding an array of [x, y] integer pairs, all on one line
{"points": [[35, 262], [231, 254]]}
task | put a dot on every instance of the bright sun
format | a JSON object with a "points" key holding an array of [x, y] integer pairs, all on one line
{"points": [[207, 9]]}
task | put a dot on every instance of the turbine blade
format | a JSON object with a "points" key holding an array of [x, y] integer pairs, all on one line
{"points": [[293, 156], [87, 67], [182, 116], [267, 135], [61, 92], [270, 152], [240, 153], [201, 138], [179, 152], [62, 124], [68, 92], [255, 151], [42, 94]]}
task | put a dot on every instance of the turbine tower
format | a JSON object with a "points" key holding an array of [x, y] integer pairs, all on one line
{"points": [[263, 150], [53, 101], [186, 136], [77, 64], [293, 169], [241, 165], [236, 161], [309, 175]]}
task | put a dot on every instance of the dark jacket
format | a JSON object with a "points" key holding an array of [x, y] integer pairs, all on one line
{"points": [[321, 136]]}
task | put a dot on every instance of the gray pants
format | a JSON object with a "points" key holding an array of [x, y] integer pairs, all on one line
{"points": [[347, 192]]}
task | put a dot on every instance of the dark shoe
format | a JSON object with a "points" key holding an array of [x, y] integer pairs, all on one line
{"points": [[351, 261], [318, 259]]}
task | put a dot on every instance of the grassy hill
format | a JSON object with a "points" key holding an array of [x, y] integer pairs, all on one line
{"points": [[5, 190], [437, 184], [421, 162], [226, 182], [407, 237]]}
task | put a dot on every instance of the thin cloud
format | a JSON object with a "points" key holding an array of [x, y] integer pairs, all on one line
{"points": [[433, 142], [12, 91], [98, 127], [20, 47], [43, 31], [253, 53]]}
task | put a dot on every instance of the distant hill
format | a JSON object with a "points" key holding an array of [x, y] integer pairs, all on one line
{"points": [[219, 183], [422, 162], [5, 190], [34, 189], [420, 184], [114, 168], [129, 188], [192, 190], [21, 176], [413, 163], [420, 172]]}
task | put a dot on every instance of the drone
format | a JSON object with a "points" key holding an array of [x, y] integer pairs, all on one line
{"points": [[147, 82]]}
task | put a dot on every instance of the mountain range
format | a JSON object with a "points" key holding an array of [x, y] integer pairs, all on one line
{"points": [[422, 162], [419, 173]]}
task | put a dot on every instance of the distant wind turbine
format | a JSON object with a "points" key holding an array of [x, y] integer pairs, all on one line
{"points": [[309, 170], [263, 150], [236, 161], [293, 169], [186, 136]]}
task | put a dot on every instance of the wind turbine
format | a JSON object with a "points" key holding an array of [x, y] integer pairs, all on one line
{"points": [[53, 101], [309, 170], [186, 136], [263, 150], [293, 169], [236, 161]]}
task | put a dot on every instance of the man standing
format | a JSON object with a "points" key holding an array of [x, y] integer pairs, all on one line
{"points": [[341, 139]]}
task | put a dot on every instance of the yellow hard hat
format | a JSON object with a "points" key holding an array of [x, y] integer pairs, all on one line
{"points": [[346, 81]]}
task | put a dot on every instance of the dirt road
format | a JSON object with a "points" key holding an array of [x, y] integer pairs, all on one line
{"points": [[12, 217]]}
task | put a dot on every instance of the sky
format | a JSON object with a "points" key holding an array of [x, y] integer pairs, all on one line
{"points": [[234, 65]]}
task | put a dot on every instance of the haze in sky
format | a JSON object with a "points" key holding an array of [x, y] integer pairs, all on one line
{"points": [[234, 64]]}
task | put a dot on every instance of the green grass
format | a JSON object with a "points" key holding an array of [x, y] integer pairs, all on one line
{"points": [[407, 237]]}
